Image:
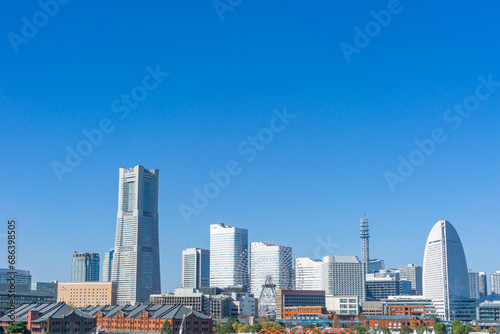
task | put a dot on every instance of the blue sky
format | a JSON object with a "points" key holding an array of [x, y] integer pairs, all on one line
{"points": [[310, 184]]}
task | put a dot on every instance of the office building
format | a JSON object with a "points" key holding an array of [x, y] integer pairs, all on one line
{"points": [[489, 311], [82, 294], [342, 305], [51, 318], [483, 285], [287, 300], [195, 268], [372, 308], [412, 273], [269, 259], [228, 252], [495, 283], [382, 287], [445, 276], [136, 259], [474, 284], [344, 276], [49, 288], [375, 265], [308, 273], [107, 266], [22, 277], [85, 267], [395, 323], [22, 295]]}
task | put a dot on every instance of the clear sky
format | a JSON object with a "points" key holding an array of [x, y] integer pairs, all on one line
{"points": [[355, 113]]}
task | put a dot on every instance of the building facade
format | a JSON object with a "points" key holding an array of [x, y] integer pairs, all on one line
{"points": [[382, 287], [474, 284], [342, 305], [412, 273], [406, 310], [52, 318], [49, 288], [488, 311], [228, 252], [85, 267], [149, 318], [445, 276], [21, 296], [293, 298], [483, 285], [396, 322], [344, 276], [136, 259], [21, 277], [82, 294], [495, 283], [308, 273], [107, 266], [195, 268]]}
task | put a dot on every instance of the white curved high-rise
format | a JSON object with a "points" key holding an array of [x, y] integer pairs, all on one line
{"points": [[445, 276]]}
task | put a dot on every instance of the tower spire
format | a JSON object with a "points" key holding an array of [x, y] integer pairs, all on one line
{"points": [[365, 242]]}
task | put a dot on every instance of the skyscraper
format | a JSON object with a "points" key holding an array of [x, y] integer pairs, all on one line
{"points": [[445, 277], [412, 273], [227, 247], [483, 285], [107, 265], [495, 283], [474, 284], [136, 259], [85, 267], [270, 259], [344, 276], [308, 273], [195, 268], [365, 243]]}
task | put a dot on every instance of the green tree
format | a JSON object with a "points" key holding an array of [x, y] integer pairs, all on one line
{"points": [[492, 330], [2, 330], [385, 330], [271, 325], [456, 327], [166, 328], [360, 329], [439, 328], [406, 330], [421, 329], [19, 327], [252, 328]]}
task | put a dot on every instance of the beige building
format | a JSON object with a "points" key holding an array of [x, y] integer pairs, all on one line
{"points": [[82, 294], [342, 305]]}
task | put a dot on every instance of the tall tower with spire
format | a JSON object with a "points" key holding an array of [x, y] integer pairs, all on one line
{"points": [[365, 242]]}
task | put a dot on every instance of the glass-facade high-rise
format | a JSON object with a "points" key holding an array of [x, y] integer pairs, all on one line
{"points": [[85, 267], [495, 283], [22, 277], [483, 285], [228, 252], [107, 265], [445, 276], [474, 284], [195, 268], [412, 273], [136, 259]]}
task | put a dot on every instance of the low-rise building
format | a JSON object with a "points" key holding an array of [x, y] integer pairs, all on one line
{"points": [[342, 305], [406, 310], [301, 313], [488, 311], [51, 318], [149, 318], [372, 308], [22, 295], [82, 294], [290, 298], [430, 309], [396, 322]]}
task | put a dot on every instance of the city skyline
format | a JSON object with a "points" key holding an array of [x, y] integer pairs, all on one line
{"points": [[257, 119]]}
